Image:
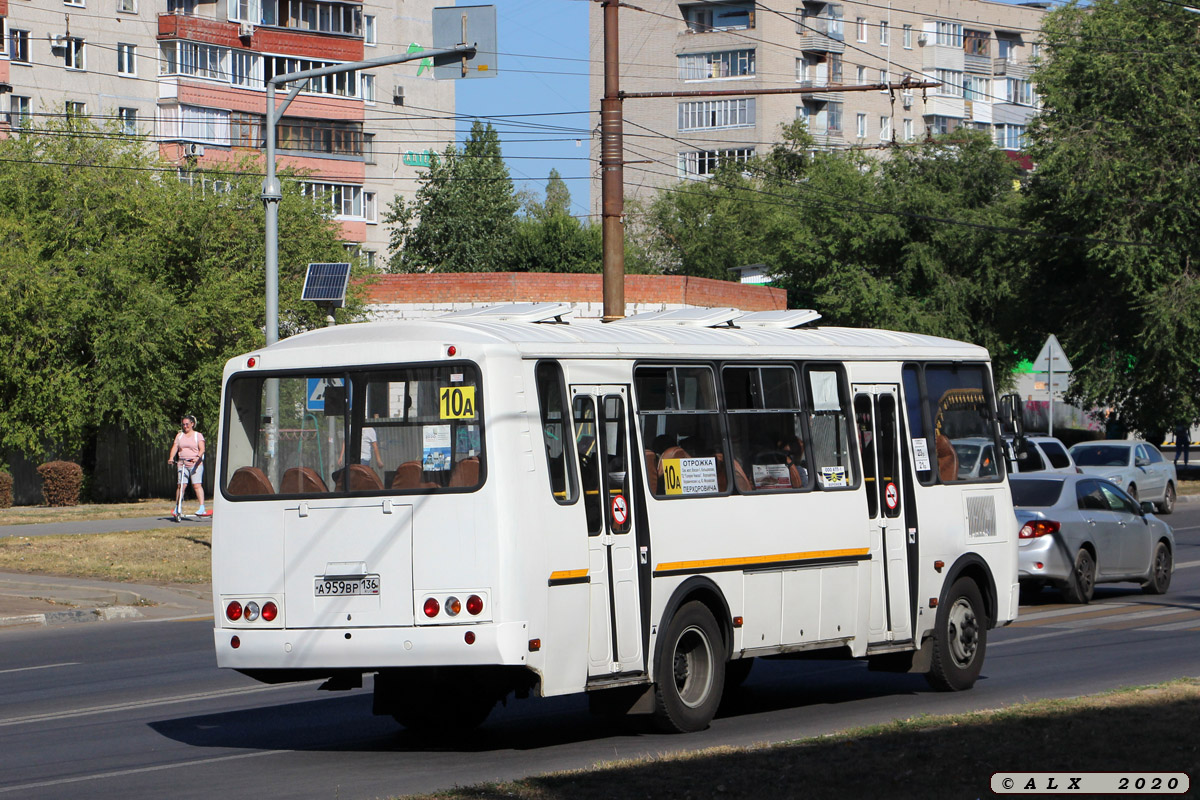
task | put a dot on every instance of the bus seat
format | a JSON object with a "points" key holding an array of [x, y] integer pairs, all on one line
{"points": [[673, 452], [302, 480], [947, 459], [408, 476], [363, 479], [652, 471], [249, 480], [465, 472], [741, 481]]}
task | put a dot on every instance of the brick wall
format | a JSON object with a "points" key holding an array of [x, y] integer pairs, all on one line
{"points": [[409, 295]]}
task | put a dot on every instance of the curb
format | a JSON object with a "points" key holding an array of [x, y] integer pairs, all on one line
{"points": [[74, 615]]}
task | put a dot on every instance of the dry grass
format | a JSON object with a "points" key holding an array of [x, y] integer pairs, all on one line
{"points": [[162, 555], [1189, 487], [27, 515], [923, 758]]}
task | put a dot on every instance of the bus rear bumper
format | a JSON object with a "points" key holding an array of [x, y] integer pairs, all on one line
{"points": [[372, 648]]}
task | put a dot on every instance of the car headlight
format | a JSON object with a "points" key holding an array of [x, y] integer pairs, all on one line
{"points": [[1115, 479]]}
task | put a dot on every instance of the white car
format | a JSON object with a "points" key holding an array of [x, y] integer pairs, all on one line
{"points": [[977, 459], [1134, 465]]}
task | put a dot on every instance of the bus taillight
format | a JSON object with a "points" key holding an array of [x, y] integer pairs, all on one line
{"points": [[233, 611], [432, 607], [269, 611], [474, 605]]}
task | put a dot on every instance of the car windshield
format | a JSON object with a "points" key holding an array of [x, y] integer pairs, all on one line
{"points": [[967, 454], [1040, 492], [1101, 455]]}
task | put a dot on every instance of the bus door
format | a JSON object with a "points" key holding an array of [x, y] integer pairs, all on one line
{"points": [[602, 438], [876, 410]]}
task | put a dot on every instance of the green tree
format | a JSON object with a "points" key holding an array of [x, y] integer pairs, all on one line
{"points": [[124, 290], [1117, 188], [464, 213], [558, 196]]}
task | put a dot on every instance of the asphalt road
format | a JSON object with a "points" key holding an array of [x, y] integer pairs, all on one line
{"points": [[139, 710]]}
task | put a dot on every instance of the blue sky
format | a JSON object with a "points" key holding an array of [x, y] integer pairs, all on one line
{"points": [[538, 101]]}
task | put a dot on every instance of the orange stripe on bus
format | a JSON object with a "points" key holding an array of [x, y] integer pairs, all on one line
{"points": [[567, 574], [759, 560]]}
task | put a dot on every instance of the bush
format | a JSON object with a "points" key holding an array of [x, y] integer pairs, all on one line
{"points": [[61, 482], [5, 490]]}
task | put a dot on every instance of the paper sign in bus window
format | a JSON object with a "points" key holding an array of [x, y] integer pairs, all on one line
{"points": [[834, 477], [456, 402], [435, 455], [690, 475], [771, 476], [921, 454]]}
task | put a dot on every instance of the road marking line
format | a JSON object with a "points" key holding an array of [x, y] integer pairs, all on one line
{"points": [[1187, 564], [164, 701], [1095, 622], [1062, 612], [138, 771], [43, 666], [1176, 626]]}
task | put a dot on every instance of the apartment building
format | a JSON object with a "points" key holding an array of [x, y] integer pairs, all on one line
{"points": [[189, 75], [981, 52]]}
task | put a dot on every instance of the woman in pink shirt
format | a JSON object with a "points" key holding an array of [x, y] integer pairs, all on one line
{"points": [[189, 447]]}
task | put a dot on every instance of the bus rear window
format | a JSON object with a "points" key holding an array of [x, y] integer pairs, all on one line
{"points": [[354, 432]]}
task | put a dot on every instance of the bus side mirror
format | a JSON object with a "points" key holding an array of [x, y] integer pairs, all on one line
{"points": [[1010, 414]]}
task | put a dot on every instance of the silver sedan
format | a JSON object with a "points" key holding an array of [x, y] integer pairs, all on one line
{"points": [[1080, 530]]}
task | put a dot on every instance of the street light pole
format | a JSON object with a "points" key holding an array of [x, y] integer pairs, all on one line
{"points": [[272, 193]]}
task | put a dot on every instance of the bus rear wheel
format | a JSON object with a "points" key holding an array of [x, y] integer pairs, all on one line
{"points": [[690, 671], [959, 638]]}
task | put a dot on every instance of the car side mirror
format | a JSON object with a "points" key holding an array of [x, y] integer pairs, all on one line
{"points": [[1010, 414], [1147, 507], [1141, 462]]}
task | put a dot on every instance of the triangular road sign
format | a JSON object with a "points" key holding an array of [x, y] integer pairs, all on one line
{"points": [[1051, 350]]}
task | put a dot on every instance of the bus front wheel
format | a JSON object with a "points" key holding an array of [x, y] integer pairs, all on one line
{"points": [[959, 638], [690, 671]]}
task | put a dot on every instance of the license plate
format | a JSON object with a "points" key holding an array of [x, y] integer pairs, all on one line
{"points": [[346, 587]]}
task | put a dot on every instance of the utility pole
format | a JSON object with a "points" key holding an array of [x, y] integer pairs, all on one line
{"points": [[612, 150], [612, 171]]}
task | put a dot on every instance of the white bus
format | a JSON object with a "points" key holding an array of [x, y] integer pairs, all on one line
{"points": [[506, 500]]}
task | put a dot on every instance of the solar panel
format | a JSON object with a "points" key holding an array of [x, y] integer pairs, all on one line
{"points": [[326, 283]]}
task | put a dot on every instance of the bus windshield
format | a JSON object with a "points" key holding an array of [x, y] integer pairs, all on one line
{"points": [[365, 431]]}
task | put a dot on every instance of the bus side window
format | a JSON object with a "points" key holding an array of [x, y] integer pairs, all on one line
{"points": [[923, 450], [556, 434], [960, 403], [829, 420], [679, 419]]}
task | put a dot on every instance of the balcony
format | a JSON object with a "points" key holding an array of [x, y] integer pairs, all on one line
{"points": [[290, 41], [977, 64], [1012, 68], [819, 96], [820, 43]]}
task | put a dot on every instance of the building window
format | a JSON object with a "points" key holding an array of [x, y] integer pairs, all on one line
{"points": [[861, 24], [367, 87], [75, 3], [18, 46], [245, 11], [190, 58], [908, 130], [368, 28], [320, 136], [706, 66], [343, 84], [883, 78], [310, 15], [826, 21], [1019, 91], [1010, 137], [342, 200], [245, 69], [702, 163], [885, 128], [368, 148], [76, 110], [950, 34], [187, 7], [1006, 49], [75, 53], [126, 65], [19, 111], [246, 130], [860, 127], [127, 6], [976, 43], [908, 37], [976, 87], [194, 124], [737, 113], [951, 83], [718, 17], [370, 207], [937, 124], [861, 76], [819, 69], [128, 121], [834, 117], [883, 32]]}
